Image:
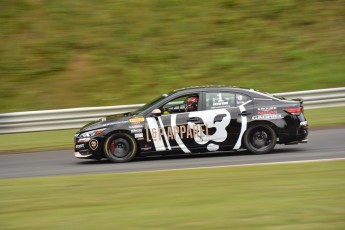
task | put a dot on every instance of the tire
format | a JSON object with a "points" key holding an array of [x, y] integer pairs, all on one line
{"points": [[260, 139], [120, 148]]}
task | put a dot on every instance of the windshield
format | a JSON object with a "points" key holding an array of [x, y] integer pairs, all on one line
{"points": [[148, 105]]}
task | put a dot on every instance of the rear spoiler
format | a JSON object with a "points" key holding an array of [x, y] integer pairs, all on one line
{"points": [[300, 100], [295, 110]]}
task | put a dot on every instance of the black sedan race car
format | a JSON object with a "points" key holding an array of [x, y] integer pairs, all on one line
{"points": [[196, 120]]}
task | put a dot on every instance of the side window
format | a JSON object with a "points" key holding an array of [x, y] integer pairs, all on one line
{"points": [[220, 100], [224, 100], [241, 99], [181, 104]]}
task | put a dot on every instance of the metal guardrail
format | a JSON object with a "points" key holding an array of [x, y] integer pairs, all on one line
{"points": [[57, 119], [320, 98], [77, 117]]}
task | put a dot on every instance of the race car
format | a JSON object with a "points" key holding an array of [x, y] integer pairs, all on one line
{"points": [[196, 120]]}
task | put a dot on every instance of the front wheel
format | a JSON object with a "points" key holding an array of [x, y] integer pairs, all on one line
{"points": [[260, 139], [120, 147]]}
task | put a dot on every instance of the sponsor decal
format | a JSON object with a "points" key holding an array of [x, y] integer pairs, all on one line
{"points": [[83, 140], [114, 123], [178, 139], [136, 126], [146, 149], [93, 144], [153, 125], [183, 131], [80, 146], [218, 105], [136, 131], [267, 117], [218, 119], [138, 135], [267, 110], [218, 102], [137, 119]]}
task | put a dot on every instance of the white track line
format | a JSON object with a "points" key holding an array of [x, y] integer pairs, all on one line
{"points": [[239, 165]]}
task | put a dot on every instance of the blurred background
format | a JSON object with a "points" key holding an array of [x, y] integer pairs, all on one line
{"points": [[57, 54], [64, 54]]}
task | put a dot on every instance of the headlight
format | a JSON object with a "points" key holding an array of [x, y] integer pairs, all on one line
{"points": [[92, 133]]}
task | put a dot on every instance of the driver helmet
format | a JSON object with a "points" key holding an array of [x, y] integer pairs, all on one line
{"points": [[192, 103]]}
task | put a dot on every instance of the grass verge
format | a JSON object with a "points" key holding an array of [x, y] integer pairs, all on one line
{"points": [[61, 139], [36, 141], [325, 117], [292, 196]]}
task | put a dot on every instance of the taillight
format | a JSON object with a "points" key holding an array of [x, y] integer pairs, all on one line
{"points": [[294, 111]]}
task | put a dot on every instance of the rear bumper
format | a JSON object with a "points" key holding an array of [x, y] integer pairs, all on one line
{"points": [[297, 142], [303, 132], [295, 135]]}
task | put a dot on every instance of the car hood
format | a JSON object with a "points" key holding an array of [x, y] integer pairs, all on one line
{"points": [[107, 121]]}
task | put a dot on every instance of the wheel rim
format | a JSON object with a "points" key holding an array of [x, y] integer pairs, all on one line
{"points": [[119, 147], [260, 139]]}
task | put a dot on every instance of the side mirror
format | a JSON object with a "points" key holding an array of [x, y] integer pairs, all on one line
{"points": [[156, 112]]}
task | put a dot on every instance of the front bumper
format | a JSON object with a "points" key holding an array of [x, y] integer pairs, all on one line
{"points": [[82, 155], [88, 148]]}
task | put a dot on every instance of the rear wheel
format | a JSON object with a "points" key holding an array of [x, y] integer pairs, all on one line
{"points": [[259, 139], [120, 147]]}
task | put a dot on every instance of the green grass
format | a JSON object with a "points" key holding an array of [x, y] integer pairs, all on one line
{"points": [[325, 117], [35, 141], [294, 196], [63, 139], [61, 54]]}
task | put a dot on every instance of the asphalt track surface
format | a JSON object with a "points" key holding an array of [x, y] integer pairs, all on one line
{"points": [[323, 144]]}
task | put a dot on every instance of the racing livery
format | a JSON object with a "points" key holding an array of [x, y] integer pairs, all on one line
{"points": [[195, 120]]}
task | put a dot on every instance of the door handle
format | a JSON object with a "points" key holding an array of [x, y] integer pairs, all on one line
{"points": [[244, 113], [193, 119]]}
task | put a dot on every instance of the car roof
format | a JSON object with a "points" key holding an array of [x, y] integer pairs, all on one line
{"points": [[221, 88]]}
